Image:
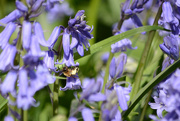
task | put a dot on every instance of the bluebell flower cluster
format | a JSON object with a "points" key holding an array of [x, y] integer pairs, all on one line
{"points": [[130, 11], [167, 99], [24, 79], [112, 97], [170, 20], [170, 16], [115, 94], [79, 33]]}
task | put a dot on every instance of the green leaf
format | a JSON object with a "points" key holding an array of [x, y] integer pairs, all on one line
{"points": [[3, 103], [123, 78], [106, 43], [150, 85]]}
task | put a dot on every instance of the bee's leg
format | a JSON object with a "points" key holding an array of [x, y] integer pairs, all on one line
{"points": [[60, 73]]}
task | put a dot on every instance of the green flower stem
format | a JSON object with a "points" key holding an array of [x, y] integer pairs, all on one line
{"points": [[24, 115], [106, 78], [56, 85], [140, 69], [145, 105], [55, 97], [107, 71], [120, 23]]}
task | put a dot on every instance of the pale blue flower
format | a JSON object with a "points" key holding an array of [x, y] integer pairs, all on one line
{"points": [[13, 16], [9, 82], [159, 104], [25, 97], [26, 34], [87, 114], [7, 58], [6, 34], [122, 46], [20, 6], [92, 90], [72, 119], [170, 46], [40, 35], [72, 83], [8, 118], [117, 66], [49, 60]]}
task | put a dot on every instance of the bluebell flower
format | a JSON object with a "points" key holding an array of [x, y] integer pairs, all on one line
{"points": [[72, 83], [123, 97], [160, 103], [6, 34], [40, 35], [8, 118], [170, 46], [109, 108], [13, 16], [30, 82], [167, 12], [168, 99], [170, 16], [130, 11], [122, 94], [68, 60], [105, 57], [35, 49], [59, 11], [92, 90], [25, 97], [80, 33], [26, 34], [122, 45], [178, 3], [72, 119], [117, 66], [37, 4], [20, 6], [8, 85], [40, 78], [167, 62], [7, 58], [66, 42], [49, 60], [87, 114], [166, 26]]}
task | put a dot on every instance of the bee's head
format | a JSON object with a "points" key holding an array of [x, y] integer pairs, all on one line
{"points": [[65, 69]]}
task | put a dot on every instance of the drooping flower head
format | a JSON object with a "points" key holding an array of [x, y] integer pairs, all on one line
{"points": [[80, 33]]}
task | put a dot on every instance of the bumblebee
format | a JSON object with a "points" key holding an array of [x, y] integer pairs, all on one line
{"points": [[70, 71]]}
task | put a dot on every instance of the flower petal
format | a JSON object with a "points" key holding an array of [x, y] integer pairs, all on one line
{"points": [[87, 115]]}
